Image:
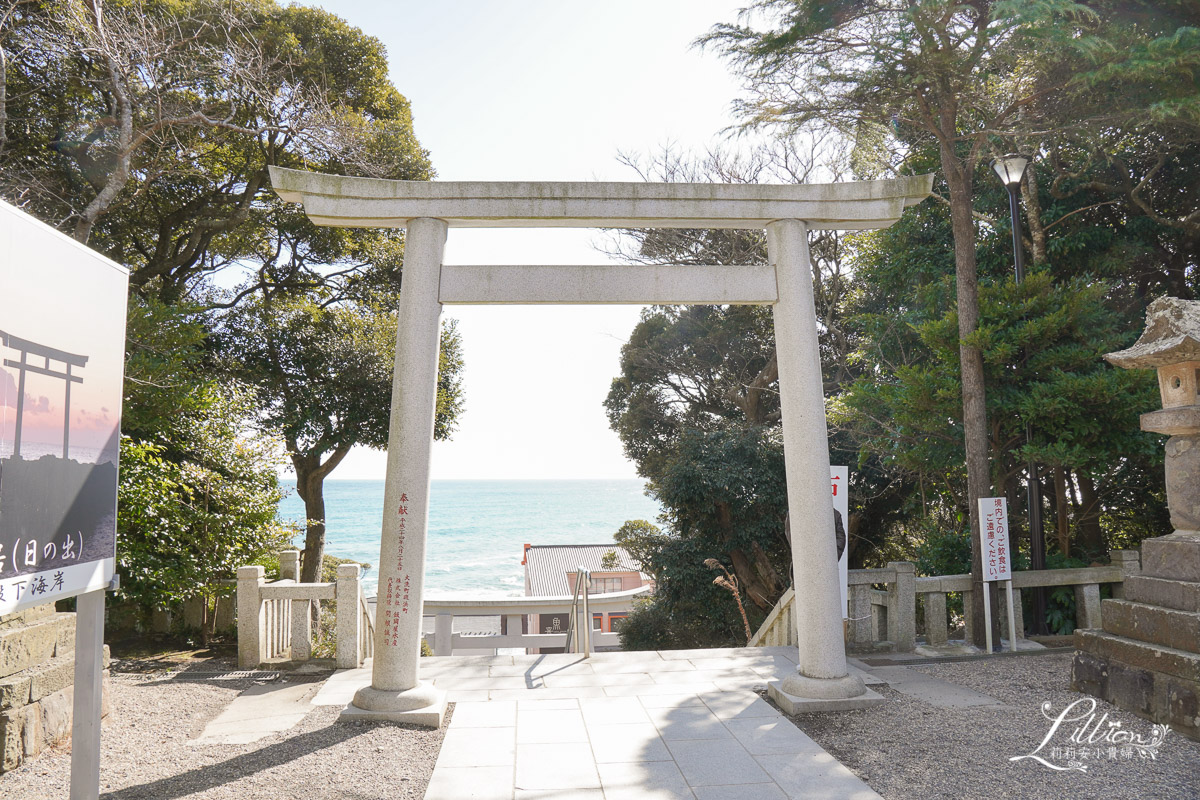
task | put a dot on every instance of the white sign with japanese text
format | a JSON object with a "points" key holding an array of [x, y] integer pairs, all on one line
{"points": [[62, 357], [993, 533]]}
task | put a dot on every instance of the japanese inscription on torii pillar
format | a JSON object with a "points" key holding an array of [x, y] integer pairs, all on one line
{"points": [[428, 209]]}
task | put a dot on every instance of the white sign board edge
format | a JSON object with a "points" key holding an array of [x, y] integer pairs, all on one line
{"points": [[839, 479], [78, 579]]}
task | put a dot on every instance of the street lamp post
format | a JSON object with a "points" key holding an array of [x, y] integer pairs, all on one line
{"points": [[1011, 169]]}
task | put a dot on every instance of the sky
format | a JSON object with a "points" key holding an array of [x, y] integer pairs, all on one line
{"points": [[548, 91]]}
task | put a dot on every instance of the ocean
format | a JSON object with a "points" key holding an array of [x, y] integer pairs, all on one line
{"points": [[478, 528]]}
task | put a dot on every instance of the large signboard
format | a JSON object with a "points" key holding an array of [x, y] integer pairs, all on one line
{"points": [[62, 348], [839, 480]]}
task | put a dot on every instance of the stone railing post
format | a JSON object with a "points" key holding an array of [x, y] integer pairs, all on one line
{"points": [[443, 635], [902, 607], [937, 630], [512, 624], [300, 611], [252, 632], [301, 623], [1130, 562], [1018, 614], [968, 596], [347, 623], [289, 565], [1087, 605], [861, 633], [879, 616]]}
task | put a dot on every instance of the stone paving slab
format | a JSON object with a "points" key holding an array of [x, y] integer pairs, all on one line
{"points": [[339, 688], [656, 780], [934, 691], [259, 712]]}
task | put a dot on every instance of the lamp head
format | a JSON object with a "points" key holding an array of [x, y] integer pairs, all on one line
{"points": [[1010, 168]]}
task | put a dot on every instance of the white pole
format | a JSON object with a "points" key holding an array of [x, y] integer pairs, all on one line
{"points": [[987, 615], [85, 722], [821, 670], [1012, 628]]}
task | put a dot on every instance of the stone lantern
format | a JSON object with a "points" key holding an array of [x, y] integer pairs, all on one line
{"points": [[1171, 345], [1146, 659]]}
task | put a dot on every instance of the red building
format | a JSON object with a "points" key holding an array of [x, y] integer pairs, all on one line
{"points": [[552, 570]]}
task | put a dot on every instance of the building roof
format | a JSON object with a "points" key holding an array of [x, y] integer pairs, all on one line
{"points": [[546, 566]]}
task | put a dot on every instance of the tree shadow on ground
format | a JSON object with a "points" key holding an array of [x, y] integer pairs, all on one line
{"points": [[234, 769]]}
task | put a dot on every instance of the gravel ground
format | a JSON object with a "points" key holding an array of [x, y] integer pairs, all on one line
{"points": [[146, 752], [910, 750]]}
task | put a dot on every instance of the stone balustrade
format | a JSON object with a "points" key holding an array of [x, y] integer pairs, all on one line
{"points": [[275, 619], [886, 619], [444, 641]]}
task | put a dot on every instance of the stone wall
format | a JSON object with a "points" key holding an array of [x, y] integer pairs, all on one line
{"points": [[37, 669]]}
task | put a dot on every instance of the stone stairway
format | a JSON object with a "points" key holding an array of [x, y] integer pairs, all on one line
{"points": [[1146, 659]]}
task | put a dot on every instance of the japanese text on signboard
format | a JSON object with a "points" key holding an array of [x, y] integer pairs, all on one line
{"points": [[993, 532]]}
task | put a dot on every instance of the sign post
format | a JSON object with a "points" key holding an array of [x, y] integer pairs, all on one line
{"points": [[997, 562], [62, 358]]}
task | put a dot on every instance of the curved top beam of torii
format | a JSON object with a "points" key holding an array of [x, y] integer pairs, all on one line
{"points": [[349, 202]]}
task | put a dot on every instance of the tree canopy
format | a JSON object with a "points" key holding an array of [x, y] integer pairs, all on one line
{"points": [[323, 376], [145, 128], [934, 359]]}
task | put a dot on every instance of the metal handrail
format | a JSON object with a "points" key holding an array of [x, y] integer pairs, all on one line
{"points": [[583, 578], [366, 644]]}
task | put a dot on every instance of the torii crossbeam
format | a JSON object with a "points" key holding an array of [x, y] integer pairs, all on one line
{"points": [[428, 209]]}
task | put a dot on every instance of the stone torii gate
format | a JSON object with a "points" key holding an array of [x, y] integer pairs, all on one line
{"points": [[428, 209]]}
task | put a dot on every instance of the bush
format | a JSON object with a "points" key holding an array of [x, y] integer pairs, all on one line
{"points": [[654, 624]]}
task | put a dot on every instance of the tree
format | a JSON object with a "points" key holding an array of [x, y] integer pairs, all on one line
{"points": [[323, 374], [197, 493], [1041, 344], [149, 125], [1118, 131], [697, 408], [893, 74], [686, 610]]}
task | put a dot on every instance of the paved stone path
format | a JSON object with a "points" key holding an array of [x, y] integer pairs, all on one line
{"points": [[670, 724], [258, 712], [934, 691]]}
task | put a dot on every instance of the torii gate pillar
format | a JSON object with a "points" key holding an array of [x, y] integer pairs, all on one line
{"points": [[396, 693], [427, 209], [821, 680]]}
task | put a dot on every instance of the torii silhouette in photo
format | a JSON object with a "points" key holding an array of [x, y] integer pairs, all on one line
{"points": [[23, 366]]}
